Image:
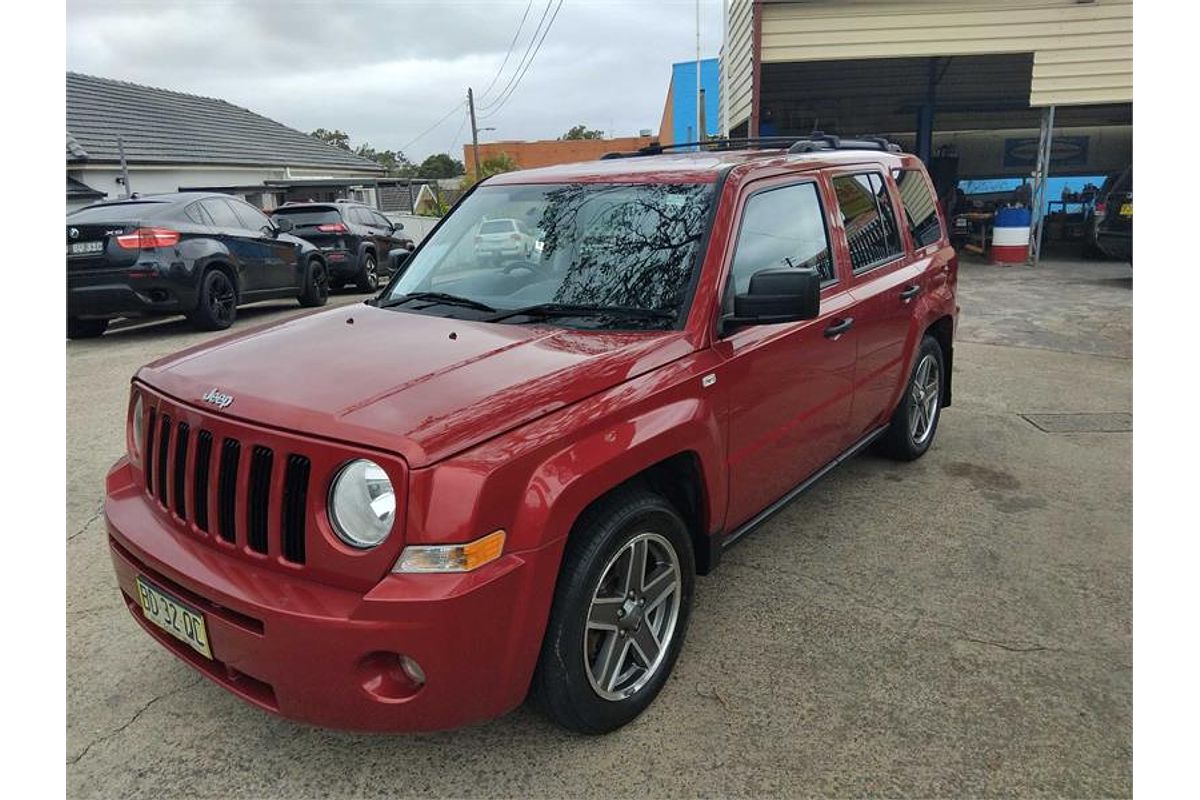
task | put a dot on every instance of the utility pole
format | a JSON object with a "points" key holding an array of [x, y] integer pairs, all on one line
{"points": [[124, 167], [474, 132]]}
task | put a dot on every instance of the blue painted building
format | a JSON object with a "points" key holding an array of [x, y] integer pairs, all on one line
{"points": [[679, 114]]}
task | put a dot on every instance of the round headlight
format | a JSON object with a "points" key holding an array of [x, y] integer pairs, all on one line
{"points": [[138, 422], [362, 504]]}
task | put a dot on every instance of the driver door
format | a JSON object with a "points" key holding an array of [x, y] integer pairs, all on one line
{"points": [[791, 384]]}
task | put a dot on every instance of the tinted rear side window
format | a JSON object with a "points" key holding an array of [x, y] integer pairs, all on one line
{"points": [[867, 216], [782, 227], [222, 215], [920, 207], [252, 219], [309, 217], [195, 212]]}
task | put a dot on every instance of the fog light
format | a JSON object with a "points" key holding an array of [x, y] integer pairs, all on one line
{"points": [[413, 670]]}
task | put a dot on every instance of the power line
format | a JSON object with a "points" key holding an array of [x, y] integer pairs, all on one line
{"points": [[511, 45], [423, 133], [522, 68]]}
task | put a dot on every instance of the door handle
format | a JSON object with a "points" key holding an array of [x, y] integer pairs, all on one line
{"points": [[910, 292], [838, 327]]}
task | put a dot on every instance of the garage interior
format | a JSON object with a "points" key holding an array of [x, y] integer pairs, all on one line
{"points": [[968, 117]]}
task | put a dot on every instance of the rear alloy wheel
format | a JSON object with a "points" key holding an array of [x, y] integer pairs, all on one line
{"points": [[85, 328], [914, 423], [316, 285], [216, 307], [368, 278], [620, 613]]}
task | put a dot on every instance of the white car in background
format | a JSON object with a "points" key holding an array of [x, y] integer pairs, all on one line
{"points": [[504, 238]]}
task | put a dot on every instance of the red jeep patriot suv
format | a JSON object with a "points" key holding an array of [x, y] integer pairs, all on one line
{"points": [[499, 478]]}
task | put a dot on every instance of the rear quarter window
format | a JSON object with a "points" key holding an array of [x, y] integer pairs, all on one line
{"points": [[920, 207]]}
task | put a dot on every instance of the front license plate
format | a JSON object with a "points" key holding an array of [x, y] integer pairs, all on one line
{"points": [[181, 621], [1127, 209], [84, 248]]}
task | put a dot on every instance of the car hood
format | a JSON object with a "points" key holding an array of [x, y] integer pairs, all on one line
{"points": [[421, 386]]}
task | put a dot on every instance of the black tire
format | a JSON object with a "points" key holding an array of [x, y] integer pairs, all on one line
{"points": [[368, 276], [85, 328], [216, 305], [316, 284], [564, 685], [915, 420]]}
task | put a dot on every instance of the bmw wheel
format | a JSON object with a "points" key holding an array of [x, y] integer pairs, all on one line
{"points": [[216, 306]]}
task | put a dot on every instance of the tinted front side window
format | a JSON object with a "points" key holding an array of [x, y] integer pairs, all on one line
{"points": [[252, 219], [626, 245], [222, 215], [782, 227], [920, 207], [867, 216]]}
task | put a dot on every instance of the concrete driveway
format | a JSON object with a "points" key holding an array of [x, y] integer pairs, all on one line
{"points": [[956, 626]]}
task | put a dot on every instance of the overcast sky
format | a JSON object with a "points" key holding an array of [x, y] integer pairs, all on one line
{"points": [[384, 71]]}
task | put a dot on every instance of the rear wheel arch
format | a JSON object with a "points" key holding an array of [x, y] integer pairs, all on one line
{"points": [[225, 267], [942, 330]]}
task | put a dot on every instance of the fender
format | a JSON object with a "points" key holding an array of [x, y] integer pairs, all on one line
{"points": [[363, 248], [934, 304]]}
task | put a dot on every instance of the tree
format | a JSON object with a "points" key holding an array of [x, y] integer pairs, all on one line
{"points": [[582, 132], [394, 161], [440, 165], [337, 138], [493, 165]]}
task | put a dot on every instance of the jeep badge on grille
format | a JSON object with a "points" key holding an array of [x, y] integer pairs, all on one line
{"points": [[218, 398]]}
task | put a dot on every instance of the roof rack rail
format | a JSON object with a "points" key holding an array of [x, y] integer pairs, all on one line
{"points": [[794, 144]]}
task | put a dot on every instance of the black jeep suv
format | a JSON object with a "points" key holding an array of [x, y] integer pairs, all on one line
{"points": [[354, 238], [193, 253]]}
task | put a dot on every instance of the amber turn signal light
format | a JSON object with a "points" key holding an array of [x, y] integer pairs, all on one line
{"points": [[451, 557]]}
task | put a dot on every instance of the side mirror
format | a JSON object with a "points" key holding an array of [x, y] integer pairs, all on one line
{"points": [[781, 294], [397, 226], [283, 224]]}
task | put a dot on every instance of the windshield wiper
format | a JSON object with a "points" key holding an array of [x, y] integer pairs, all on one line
{"points": [[581, 310], [436, 297]]}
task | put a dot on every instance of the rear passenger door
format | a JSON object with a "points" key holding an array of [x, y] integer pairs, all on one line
{"points": [[884, 284], [790, 385], [245, 245], [280, 257]]}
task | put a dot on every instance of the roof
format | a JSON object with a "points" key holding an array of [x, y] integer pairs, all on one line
{"points": [[157, 126], [691, 167]]}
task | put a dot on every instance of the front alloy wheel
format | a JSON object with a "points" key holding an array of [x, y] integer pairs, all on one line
{"points": [[632, 617], [620, 612]]}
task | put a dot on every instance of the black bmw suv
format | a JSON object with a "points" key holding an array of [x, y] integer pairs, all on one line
{"points": [[193, 253], [354, 238]]}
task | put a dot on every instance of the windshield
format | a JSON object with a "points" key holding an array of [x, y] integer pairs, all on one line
{"points": [[621, 246], [308, 216]]}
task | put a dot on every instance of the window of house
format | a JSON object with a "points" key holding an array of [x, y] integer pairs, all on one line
{"points": [[868, 219], [920, 206], [783, 227]]}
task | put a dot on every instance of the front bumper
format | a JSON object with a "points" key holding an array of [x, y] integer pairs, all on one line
{"points": [[329, 656]]}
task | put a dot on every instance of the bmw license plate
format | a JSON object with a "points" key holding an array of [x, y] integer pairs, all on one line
{"points": [[181, 621], [84, 248]]}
